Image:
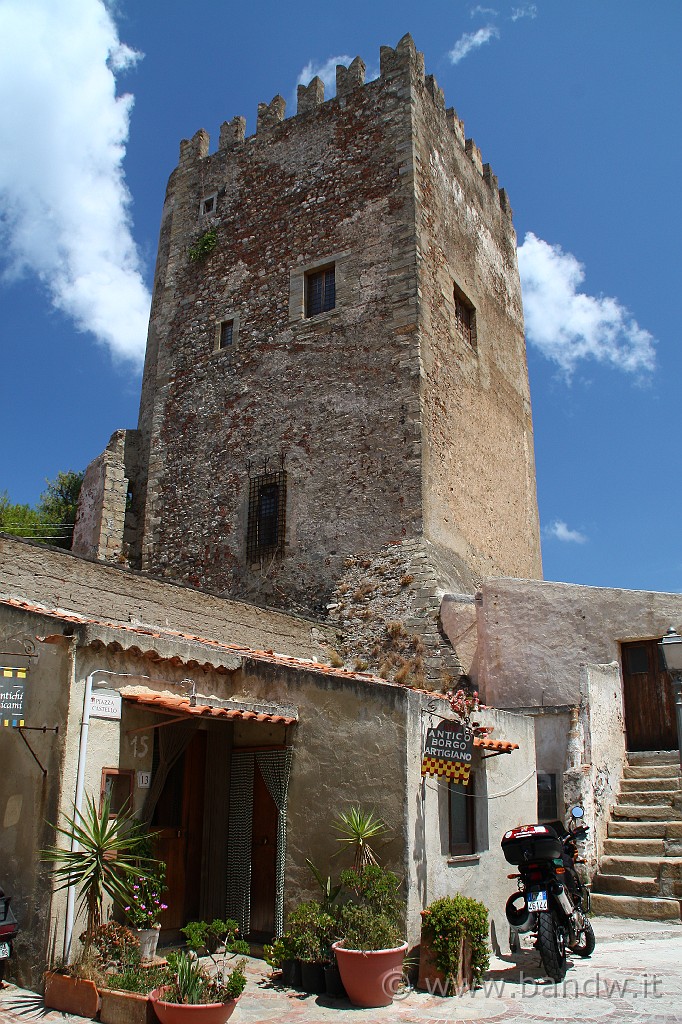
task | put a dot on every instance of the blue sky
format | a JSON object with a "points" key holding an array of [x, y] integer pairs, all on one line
{"points": [[575, 106]]}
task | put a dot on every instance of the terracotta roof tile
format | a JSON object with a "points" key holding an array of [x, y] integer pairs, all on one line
{"points": [[165, 703]]}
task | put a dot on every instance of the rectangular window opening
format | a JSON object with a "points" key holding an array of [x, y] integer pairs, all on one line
{"points": [[320, 291], [226, 336], [117, 784], [267, 511], [462, 818], [465, 317], [208, 205], [547, 797]]}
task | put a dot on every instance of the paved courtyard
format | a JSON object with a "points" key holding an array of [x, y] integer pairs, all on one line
{"points": [[634, 975]]}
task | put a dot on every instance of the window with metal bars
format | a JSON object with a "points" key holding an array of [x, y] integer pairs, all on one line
{"points": [[226, 335], [320, 291], [465, 317], [267, 512]]}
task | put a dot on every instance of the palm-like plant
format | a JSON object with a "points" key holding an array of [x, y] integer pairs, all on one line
{"points": [[357, 827], [104, 857]]}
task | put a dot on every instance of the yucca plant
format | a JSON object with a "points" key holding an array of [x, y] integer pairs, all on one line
{"points": [[357, 828], [103, 857]]}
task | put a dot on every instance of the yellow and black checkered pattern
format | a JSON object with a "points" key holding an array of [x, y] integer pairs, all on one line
{"points": [[454, 771]]}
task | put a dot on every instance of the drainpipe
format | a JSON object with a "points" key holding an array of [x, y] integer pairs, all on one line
{"points": [[80, 786]]}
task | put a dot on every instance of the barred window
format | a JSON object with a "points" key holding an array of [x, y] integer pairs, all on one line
{"points": [[465, 317], [267, 511], [226, 334], [320, 291]]}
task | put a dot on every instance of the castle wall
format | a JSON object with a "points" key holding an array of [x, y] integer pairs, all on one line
{"points": [[478, 484], [386, 426], [333, 399]]}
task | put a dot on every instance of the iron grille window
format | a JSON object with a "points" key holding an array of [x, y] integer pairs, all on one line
{"points": [[226, 334], [267, 510], [320, 291], [465, 317]]}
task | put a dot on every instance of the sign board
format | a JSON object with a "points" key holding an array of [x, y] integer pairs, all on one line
{"points": [[12, 697], [144, 780], [105, 704], [448, 751]]}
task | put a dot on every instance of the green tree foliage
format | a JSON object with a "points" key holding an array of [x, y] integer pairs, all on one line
{"points": [[52, 520]]}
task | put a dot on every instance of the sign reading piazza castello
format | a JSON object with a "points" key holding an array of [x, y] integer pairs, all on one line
{"points": [[448, 751]]}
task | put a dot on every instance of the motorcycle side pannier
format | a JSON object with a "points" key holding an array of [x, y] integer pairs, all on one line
{"points": [[531, 842]]}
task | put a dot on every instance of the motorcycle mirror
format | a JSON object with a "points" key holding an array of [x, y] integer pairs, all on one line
{"points": [[577, 812]]}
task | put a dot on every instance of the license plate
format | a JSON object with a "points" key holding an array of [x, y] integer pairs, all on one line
{"points": [[4, 950], [537, 900]]}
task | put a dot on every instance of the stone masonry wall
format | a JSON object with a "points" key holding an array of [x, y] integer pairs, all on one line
{"points": [[334, 398], [477, 432]]}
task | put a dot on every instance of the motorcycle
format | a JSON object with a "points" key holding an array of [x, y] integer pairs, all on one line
{"points": [[551, 901], [8, 931]]}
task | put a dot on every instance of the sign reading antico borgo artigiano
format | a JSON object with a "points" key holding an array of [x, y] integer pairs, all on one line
{"points": [[448, 751], [12, 696]]}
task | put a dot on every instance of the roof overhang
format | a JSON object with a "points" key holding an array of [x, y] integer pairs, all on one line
{"points": [[176, 708]]}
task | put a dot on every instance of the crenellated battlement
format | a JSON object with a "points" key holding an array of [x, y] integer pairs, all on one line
{"points": [[395, 64]]}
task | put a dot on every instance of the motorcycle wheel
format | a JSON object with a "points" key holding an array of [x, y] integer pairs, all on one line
{"points": [[586, 943], [552, 945]]}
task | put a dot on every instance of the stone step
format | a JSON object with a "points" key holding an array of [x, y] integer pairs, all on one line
{"points": [[623, 885], [669, 785], [669, 830], [634, 847], [656, 771], [635, 866], [648, 798], [640, 908], [646, 757], [652, 812]]}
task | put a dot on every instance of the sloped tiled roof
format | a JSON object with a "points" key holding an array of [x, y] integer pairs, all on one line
{"points": [[164, 703]]}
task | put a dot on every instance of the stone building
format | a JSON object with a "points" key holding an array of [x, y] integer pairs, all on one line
{"points": [[335, 413]]}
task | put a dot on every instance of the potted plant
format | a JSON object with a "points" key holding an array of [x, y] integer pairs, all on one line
{"points": [[126, 982], [194, 995], [454, 945], [371, 953], [144, 909], [102, 858], [357, 828], [204, 938], [282, 955], [311, 932]]}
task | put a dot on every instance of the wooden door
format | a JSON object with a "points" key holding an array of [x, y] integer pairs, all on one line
{"points": [[263, 860], [647, 695], [178, 821]]}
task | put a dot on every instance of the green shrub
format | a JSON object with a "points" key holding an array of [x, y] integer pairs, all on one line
{"points": [[450, 919]]}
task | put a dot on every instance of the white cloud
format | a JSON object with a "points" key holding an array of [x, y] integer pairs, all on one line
{"points": [[566, 325], [528, 11], [560, 531], [480, 10], [64, 205], [326, 71], [471, 41]]}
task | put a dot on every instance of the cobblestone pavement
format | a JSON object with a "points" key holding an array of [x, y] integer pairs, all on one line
{"points": [[634, 975]]}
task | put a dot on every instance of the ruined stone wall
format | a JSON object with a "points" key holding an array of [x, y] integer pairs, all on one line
{"points": [[333, 398], [477, 433], [108, 520]]}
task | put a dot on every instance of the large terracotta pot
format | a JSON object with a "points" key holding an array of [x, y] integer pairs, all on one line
{"points": [[125, 1008], [190, 1013], [71, 995], [370, 978]]}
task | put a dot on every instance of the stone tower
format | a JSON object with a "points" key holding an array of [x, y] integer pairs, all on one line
{"points": [[335, 393]]}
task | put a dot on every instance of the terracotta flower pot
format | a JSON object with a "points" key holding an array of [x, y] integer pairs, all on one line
{"points": [[125, 1008], [370, 978], [190, 1013], [71, 995]]}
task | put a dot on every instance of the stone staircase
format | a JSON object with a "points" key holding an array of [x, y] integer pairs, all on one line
{"points": [[640, 874]]}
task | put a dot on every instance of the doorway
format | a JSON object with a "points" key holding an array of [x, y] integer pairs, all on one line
{"points": [[178, 821], [263, 861], [647, 698]]}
